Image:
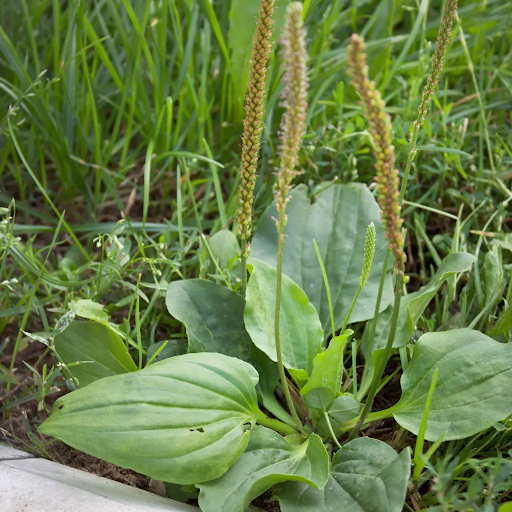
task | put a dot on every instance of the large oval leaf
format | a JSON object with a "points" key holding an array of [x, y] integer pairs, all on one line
{"points": [[473, 384], [213, 316], [367, 475], [300, 330], [414, 304], [268, 460], [337, 221], [182, 420], [105, 352], [223, 248]]}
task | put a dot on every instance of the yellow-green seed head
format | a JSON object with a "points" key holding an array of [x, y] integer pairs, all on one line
{"points": [[294, 100], [443, 38], [379, 126], [369, 253], [253, 122]]}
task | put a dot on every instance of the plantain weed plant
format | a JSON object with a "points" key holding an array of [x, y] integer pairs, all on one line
{"points": [[262, 399]]}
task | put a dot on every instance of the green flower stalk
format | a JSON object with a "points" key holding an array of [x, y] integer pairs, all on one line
{"points": [[293, 126], [368, 254], [294, 97], [253, 122], [381, 132], [443, 38], [388, 197]]}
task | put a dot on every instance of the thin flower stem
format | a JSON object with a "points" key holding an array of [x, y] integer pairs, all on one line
{"points": [[368, 254], [382, 365], [349, 314], [442, 41], [331, 431], [243, 266], [284, 383], [327, 288], [293, 126], [376, 313], [410, 160]]}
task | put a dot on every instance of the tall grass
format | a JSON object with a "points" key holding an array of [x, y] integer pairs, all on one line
{"points": [[93, 85]]}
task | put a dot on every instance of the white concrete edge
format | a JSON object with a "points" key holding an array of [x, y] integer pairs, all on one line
{"points": [[30, 484], [10, 453]]}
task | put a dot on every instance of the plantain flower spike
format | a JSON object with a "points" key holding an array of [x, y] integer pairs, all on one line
{"points": [[443, 38], [253, 122], [294, 97], [381, 133], [369, 253]]}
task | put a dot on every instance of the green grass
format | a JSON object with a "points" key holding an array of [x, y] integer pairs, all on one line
{"points": [[133, 110]]}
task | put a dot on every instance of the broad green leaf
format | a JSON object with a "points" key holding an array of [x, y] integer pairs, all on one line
{"points": [[300, 330], [242, 25], [213, 316], [337, 220], [89, 309], [413, 305], [493, 276], [325, 382], [167, 348], [268, 460], [268, 379], [90, 341], [342, 410], [299, 376], [504, 241], [503, 324], [473, 385], [367, 475], [183, 420], [224, 247]]}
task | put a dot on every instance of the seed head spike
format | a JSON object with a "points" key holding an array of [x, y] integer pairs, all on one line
{"points": [[253, 122], [369, 253], [380, 130]]}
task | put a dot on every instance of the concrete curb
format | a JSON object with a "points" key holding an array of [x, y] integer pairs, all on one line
{"points": [[30, 484]]}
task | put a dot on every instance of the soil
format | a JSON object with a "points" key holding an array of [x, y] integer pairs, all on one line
{"points": [[78, 460], [19, 429], [13, 431], [264, 502]]}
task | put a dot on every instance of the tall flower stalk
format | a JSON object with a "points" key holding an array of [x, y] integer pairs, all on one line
{"points": [[380, 129], [442, 41], [253, 125], [293, 126]]}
